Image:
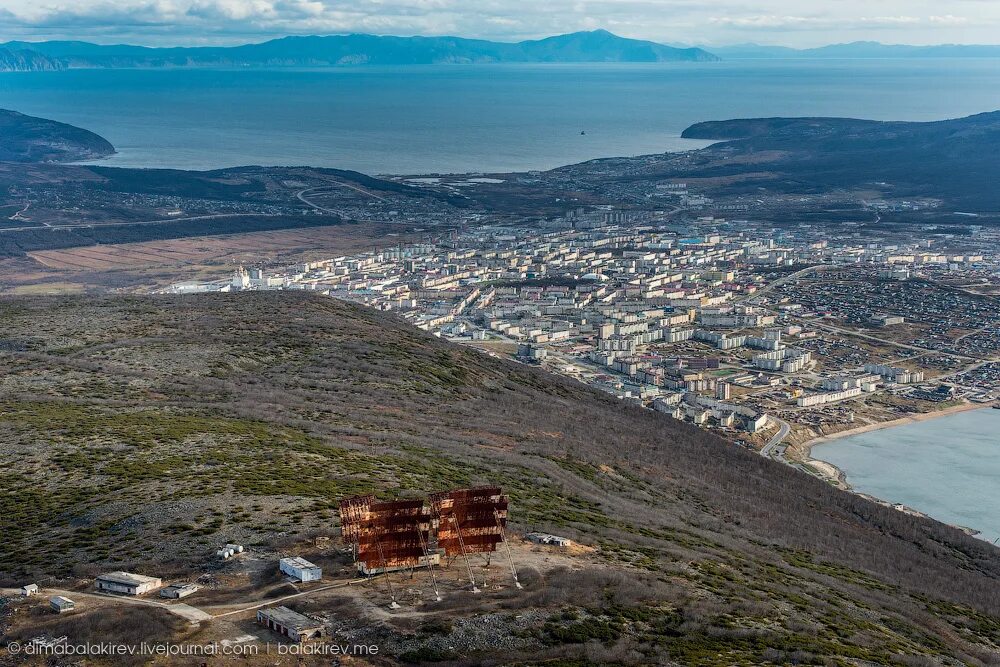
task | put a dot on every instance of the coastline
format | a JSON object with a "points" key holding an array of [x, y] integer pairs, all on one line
{"points": [[831, 473], [807, 447]]}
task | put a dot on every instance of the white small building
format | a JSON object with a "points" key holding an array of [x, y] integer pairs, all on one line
{"points": [[300, 569], [61, 605], [127, 583], [178, 591], [29, 590]]}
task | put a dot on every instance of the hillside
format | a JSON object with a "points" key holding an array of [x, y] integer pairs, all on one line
{"points": [[952, 159], [359, 49], [142, 432], [29, 139], [25, 60]]}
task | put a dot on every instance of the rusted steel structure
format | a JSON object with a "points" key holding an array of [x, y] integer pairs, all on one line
{"points": [[353, 513], [407, 534], [470, 520], [394, 534]]}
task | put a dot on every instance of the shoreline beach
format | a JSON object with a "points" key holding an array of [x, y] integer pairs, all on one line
{"points": [[807, 447], [838, 477]]}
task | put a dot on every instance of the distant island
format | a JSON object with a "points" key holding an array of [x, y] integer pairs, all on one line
{"points": [[29, 139], [355, 49]]}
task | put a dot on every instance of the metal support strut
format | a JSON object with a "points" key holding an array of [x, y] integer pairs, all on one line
{"points": [[385, 574], [510, 557], [461, 544], [430, 565]]}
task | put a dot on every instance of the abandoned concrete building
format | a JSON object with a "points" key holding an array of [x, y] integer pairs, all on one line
{"points": [[291, 624]]}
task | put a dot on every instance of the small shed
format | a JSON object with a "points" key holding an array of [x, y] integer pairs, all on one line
{"points": [[61, 605], [178, 591], [29, 590], [300, 569]]}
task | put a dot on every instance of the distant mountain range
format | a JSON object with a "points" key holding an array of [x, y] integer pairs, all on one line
{"points": [[334, 50], [343, 50], [866, 50]]}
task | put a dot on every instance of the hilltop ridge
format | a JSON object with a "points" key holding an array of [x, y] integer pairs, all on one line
{"points": [[953, 160]]}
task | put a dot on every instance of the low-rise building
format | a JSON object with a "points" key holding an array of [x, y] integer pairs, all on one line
{"points": [[61, 605], [828, 397], [300, 569], [178, 591], [297, 627], [127, 583]]}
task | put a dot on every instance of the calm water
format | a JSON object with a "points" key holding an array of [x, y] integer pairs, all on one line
{"points": [[473, 118], [948, 468]]}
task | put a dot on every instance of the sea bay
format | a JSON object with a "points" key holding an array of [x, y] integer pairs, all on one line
{"points": [[473, 118], [948, 468]]}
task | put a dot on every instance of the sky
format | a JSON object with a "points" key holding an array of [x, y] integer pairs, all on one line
{"points": [[797, 23]]}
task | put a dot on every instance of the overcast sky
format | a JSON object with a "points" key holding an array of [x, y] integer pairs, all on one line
{"points": [[711, 22]]}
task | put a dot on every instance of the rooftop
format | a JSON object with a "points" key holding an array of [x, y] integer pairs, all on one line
{"points": [[287, 618], [127, 578]]}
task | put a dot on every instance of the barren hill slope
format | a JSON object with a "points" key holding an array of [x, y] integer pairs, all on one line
{"points": [[953, 160], [139, 432]]}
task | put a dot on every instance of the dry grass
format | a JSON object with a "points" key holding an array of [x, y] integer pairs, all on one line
{"points": [[168, 425]]}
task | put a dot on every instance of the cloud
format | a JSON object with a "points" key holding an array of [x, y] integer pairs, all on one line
{"points": [[949, 19]]}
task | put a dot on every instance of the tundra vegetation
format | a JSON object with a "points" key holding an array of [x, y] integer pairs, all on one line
{"points": [[140, 432]]}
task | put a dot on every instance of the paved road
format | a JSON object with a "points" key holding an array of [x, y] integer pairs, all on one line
{"points": [[85, 225], [882, 341], [359, 189], [790, 277], [301, 196], [770, 449], [268, 603], [185, 611]]}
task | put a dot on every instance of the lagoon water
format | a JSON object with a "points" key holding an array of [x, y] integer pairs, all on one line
{"points": [[948, 468], [460, 118]]}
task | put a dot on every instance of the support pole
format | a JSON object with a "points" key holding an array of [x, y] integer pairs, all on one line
{"points": [[510, 557], [461, 544], [385, 573], [430, 565]]}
